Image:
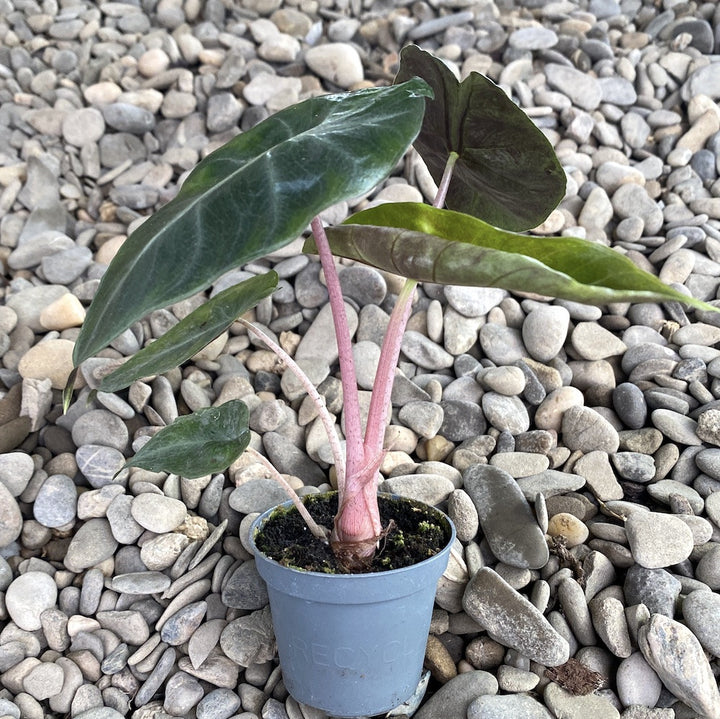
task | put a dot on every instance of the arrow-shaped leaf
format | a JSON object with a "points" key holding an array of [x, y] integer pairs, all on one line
{"points": [[431, 245], [251, 196], [192, 333], [507, 173], [204, 442]]}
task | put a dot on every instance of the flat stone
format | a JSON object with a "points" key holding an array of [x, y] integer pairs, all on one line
{"points": [[563, 703], [658, 540], [92, 543], [506, 518], [157, 512], [337, 62], [455, 697], [586, 430], [510, 618]]}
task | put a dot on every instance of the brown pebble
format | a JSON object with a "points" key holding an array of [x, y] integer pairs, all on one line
{"points": [[438, 660]]}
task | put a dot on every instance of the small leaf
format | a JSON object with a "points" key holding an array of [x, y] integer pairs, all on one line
{"points": [[192, 333], [431, 245], [254, 195], [208, 441], [507, 173]]}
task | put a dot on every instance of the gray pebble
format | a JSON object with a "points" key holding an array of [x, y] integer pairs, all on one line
{"points": [[56, 503], [218, 704], [657, 589], [675, 654], [509, 618], [506, 517]]}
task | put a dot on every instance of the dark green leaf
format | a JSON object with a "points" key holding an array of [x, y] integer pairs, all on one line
{"points": [[194, 445], [431, 245], [507, 173], [251, 196], [192, 333]]}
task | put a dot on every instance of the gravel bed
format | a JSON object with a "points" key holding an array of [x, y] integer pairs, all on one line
{"points": [[577, 448]]}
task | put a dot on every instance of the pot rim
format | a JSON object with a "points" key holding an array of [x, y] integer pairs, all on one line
{"points": [[258, 521]]}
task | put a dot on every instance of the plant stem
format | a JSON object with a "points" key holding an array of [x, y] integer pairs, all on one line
{"points": [[318, 400], [354, 451], [385, 375], [392, 342], [442, 191], [313, 526]]}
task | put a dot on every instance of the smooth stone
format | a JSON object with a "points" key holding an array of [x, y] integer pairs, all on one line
{"points": [[337, 62], [657, 589], [428, 488], [28, 596], [11, 519], [593, 342], [455, 697], [586, 430], [700, 612], [218, 704], [16, 470], [318, 343], [141, 583], [424, 352], [56, 503], [101, 427], [510, 619], [157, 512], [563, 703], [424, 418], [608, 617], [462, 419], [658, 540], [584, 90], [180, 626], [544, 331], [637, 682], [473, 301], [245, 589], [507, 706], [506, 518], [257, 495], [51, 358], [595, 467], [182, 693], [99, 464], [92, 543], [505, 413], [249, 639], [123, 526], [677, 657]]}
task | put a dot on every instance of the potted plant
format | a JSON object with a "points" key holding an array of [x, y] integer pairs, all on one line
{"points": [[497, 175]]}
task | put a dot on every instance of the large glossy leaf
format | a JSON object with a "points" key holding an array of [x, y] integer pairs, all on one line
{"points": [[251, 196], [208, 441], [192, 333], [507, 173], [431, 245]]}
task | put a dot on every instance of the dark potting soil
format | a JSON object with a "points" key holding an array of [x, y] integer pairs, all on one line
{"points": [[413, 533]]}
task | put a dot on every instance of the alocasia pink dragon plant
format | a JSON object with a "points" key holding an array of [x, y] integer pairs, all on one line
{"points": [[496, 174]]}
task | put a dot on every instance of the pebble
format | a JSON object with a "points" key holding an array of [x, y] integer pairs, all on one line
{"points": [[56, 502], [509, 618], [28, 596], [157, 512], [675, 654], [337, 62], [506, 518], [658, 540]]}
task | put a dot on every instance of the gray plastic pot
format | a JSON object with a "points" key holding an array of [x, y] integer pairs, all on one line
{"points": [[352, 644]]}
